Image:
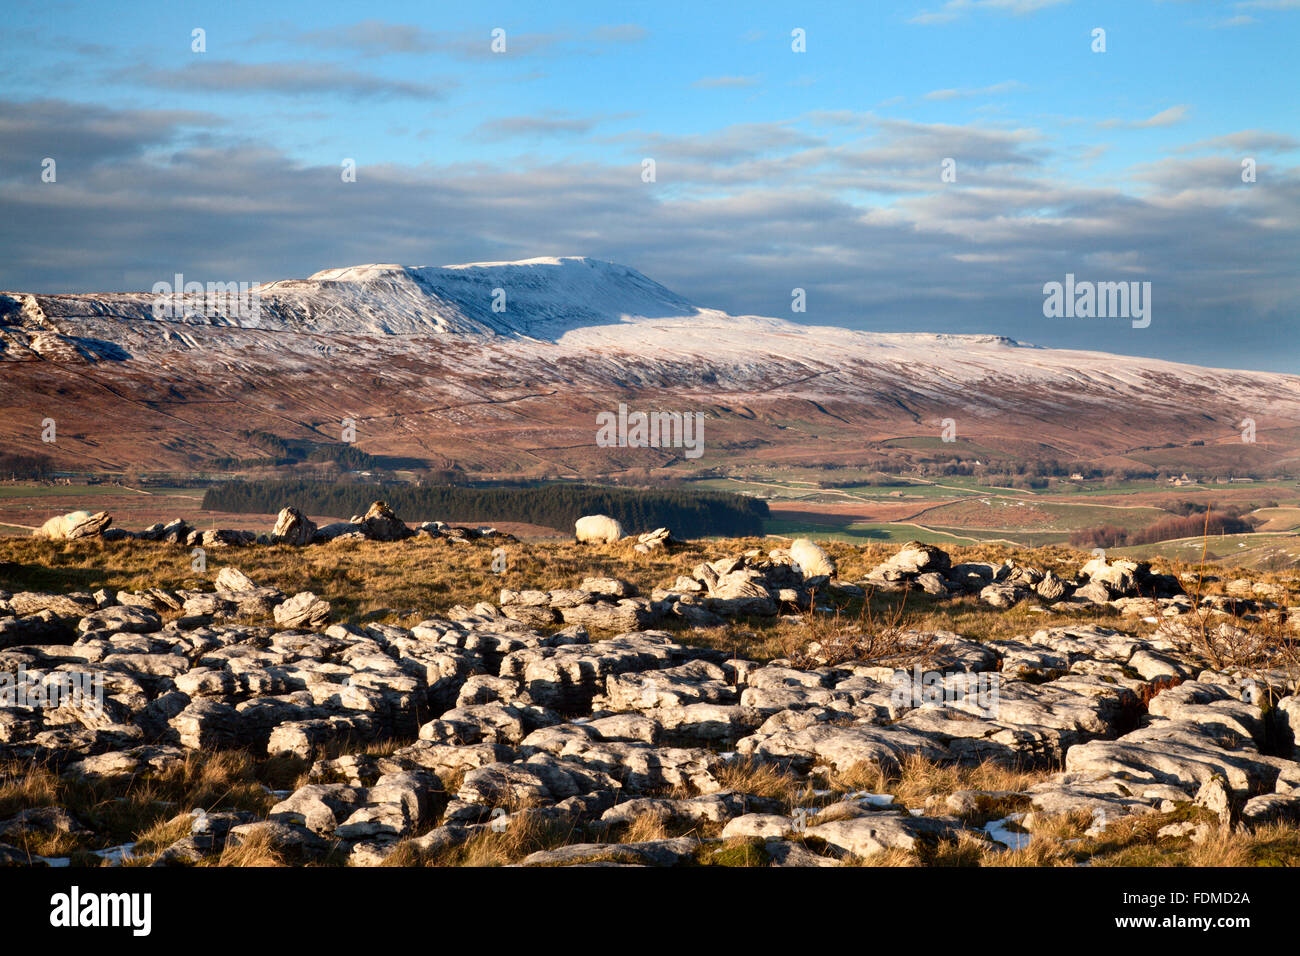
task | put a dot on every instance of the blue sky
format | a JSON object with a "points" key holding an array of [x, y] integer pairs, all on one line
{"points": [[774, 169]]}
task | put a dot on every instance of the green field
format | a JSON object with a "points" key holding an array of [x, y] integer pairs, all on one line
{"points": [[1265, 551], [1024, 515], [88, 491], [1261, 489], [784, 489], [1280, 519], [976, 512], [862, 532]]}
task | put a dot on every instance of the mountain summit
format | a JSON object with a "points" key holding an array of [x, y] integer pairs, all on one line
{"points": [[536, 298]]}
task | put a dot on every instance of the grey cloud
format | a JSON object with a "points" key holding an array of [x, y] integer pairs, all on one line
{"points": [[551, 124], [1250, 140], [909, 142], [620, 33], [730, 144], [967, 257], [379, 37], [78, 135], [374, 36], [286, 79]]}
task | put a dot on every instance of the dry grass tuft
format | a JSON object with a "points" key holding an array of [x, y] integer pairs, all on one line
{"points": [[880, 631], [525, 834], [137, 808], [647, 826], [918, 780], [255, 850], [763, 780]]}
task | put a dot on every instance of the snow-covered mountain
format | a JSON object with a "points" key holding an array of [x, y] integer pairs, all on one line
{"points": [[502, 366], [536, 298]]}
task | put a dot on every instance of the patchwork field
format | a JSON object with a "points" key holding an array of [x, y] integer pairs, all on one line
{"points": [[954, 511], [961, 510], [1264, 551]]}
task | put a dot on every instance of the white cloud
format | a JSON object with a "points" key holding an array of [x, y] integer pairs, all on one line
{"points": [[726, 82], [954, 9], [952, 94], [1245, 141], [1166, 117]]}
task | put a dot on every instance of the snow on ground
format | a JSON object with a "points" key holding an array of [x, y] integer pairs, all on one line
{"points": [[550, 311]]}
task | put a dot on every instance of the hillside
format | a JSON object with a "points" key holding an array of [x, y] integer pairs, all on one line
{"points": [[432, 376]]}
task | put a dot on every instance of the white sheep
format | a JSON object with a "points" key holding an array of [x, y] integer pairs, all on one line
{"points": [[812, 559], [60, 527], [597, 529]]}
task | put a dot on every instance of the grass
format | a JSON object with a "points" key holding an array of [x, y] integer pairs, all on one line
{"points": [[398, 581], [524, 834], [917, 781], [84, 491], [1259, 550], [1059, 840], [144, 808], [861, 532], [405, 582], [1013, 514], [151, 810], [1279, 519], [763, 780]]}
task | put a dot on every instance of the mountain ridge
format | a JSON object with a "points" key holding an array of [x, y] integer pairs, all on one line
{"points": [[421, 355]]}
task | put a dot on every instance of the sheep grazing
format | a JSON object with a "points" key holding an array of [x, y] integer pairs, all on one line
{"points": [[76, 524], [812, 559], [597, 529]]}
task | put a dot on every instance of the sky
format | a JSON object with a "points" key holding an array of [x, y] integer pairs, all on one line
{"points": [[774, 168]]}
